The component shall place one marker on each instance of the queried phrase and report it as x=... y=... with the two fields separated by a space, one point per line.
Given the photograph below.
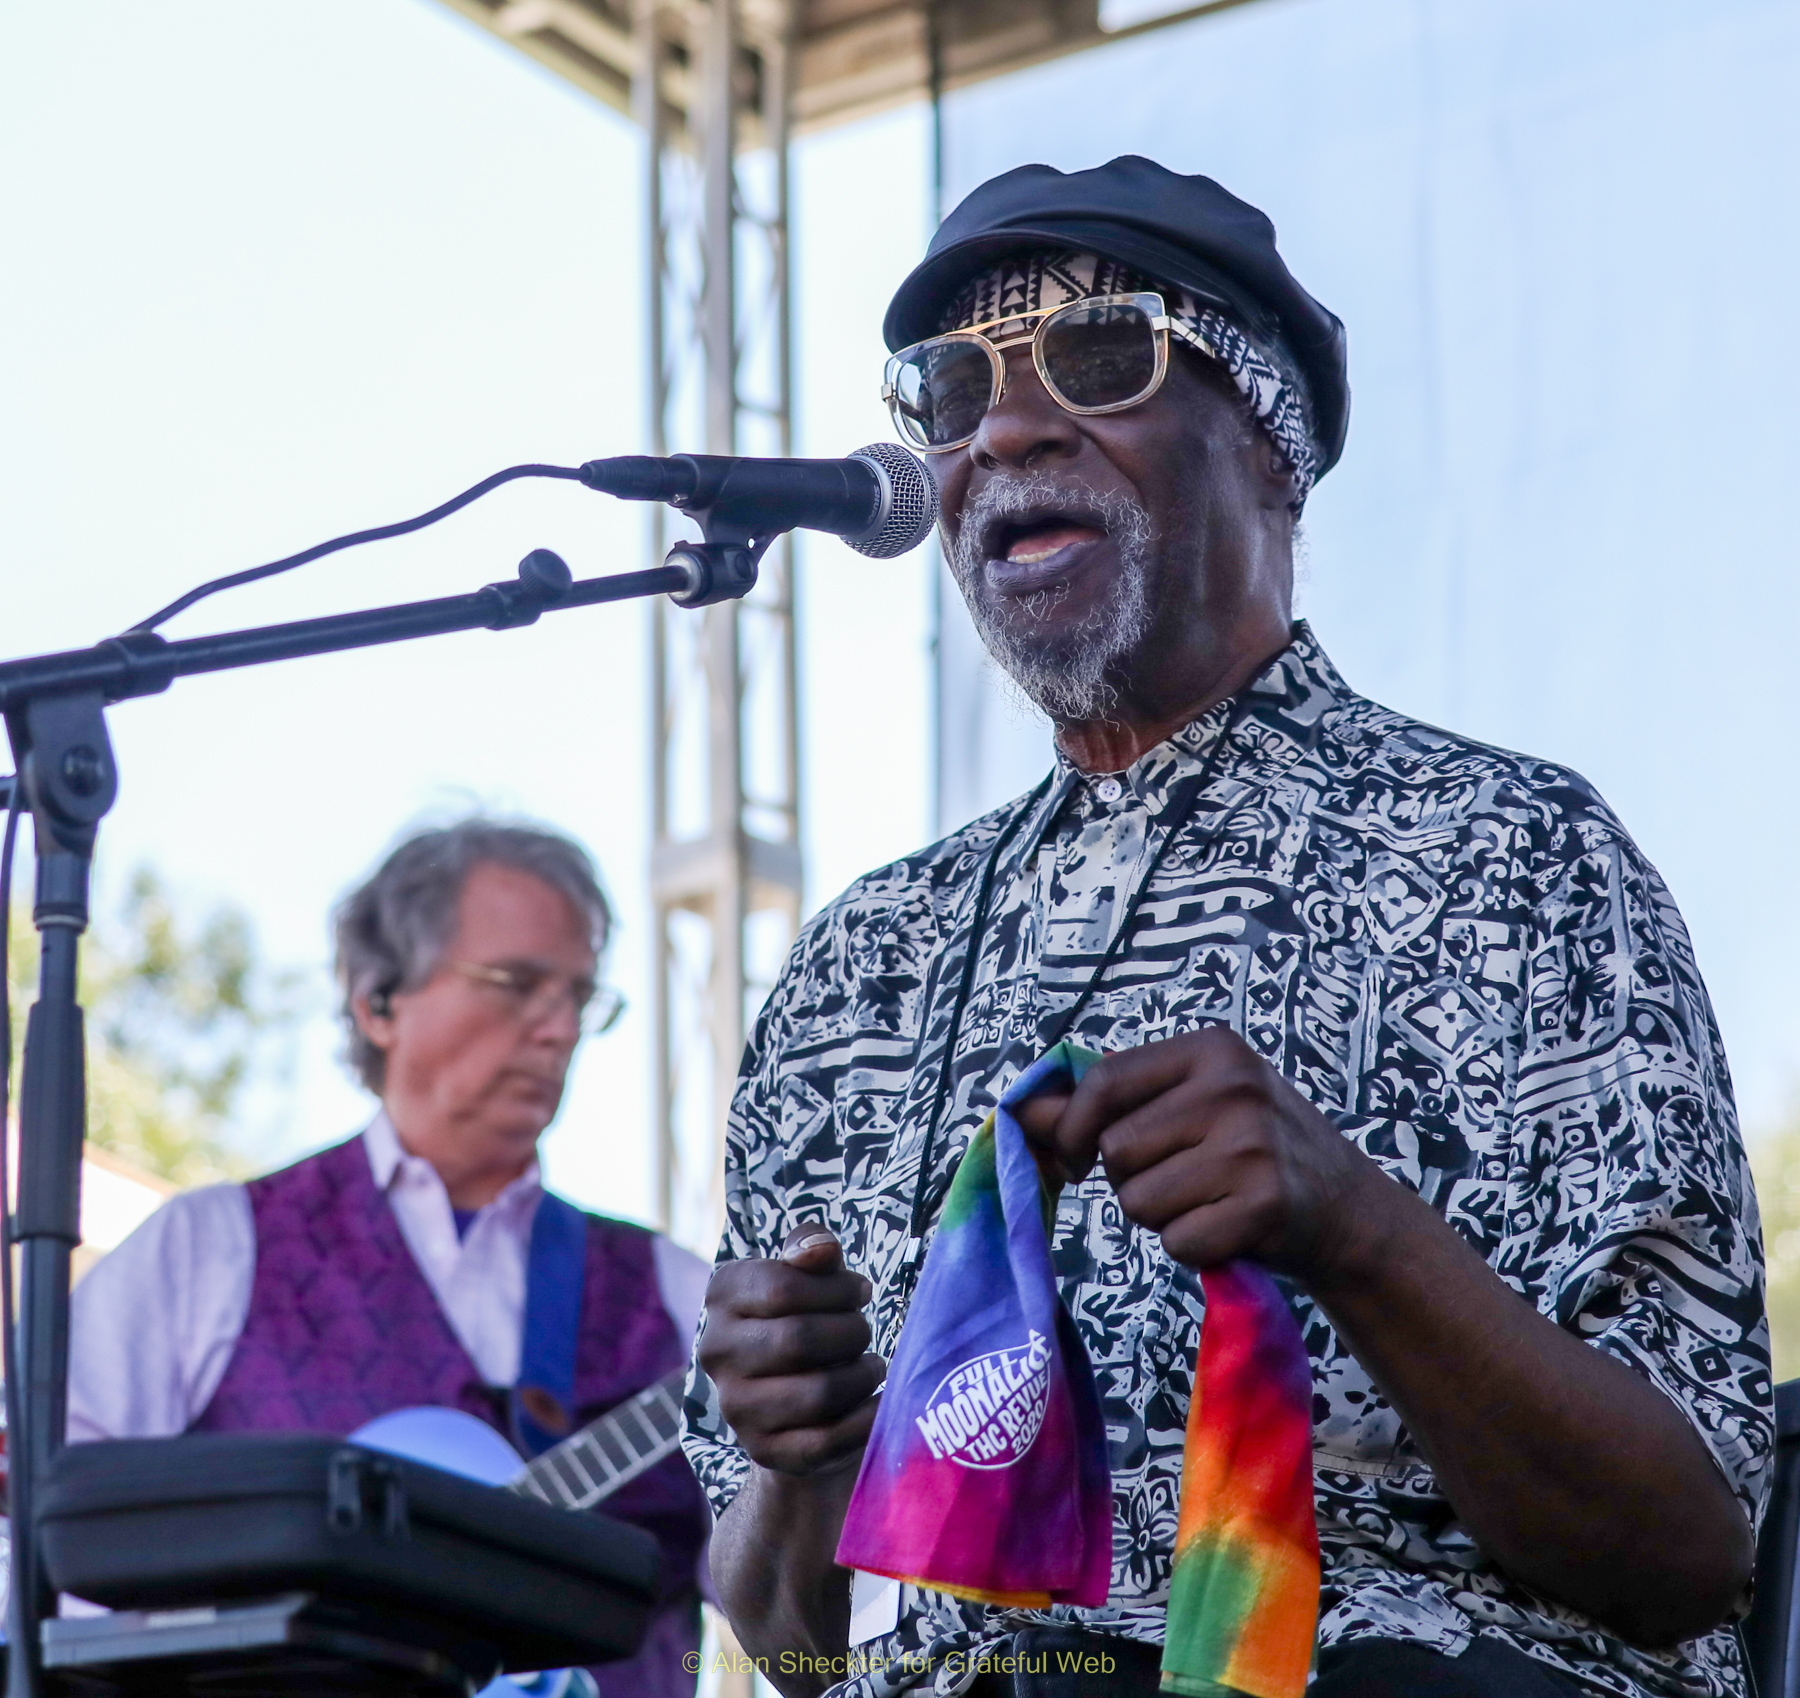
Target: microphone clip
x=723 y=565
x=717 y=571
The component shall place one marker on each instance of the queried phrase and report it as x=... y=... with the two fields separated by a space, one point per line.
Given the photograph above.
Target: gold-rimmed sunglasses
x=1099 y=355
x=532 y=994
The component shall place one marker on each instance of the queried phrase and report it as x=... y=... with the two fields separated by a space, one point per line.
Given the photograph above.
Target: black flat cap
x=1179 y=229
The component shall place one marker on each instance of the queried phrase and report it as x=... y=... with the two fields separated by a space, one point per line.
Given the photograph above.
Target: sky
x=281 y=271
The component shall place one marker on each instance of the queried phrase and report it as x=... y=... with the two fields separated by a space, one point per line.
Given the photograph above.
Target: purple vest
x=342 y=1327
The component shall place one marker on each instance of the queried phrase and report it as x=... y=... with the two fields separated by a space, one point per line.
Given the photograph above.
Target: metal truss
x=712 y=96
x=848 y=57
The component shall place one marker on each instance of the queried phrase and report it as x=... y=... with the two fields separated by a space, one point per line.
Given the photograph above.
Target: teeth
x=1031 y=556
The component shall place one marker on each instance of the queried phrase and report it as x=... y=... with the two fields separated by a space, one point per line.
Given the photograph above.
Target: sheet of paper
x=874 y=1606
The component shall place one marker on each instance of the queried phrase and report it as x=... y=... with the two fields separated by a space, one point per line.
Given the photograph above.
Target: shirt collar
x=1278 y=714
x=388 y=1158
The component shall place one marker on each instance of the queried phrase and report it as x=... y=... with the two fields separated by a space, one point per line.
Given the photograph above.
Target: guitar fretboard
x=597 y=1461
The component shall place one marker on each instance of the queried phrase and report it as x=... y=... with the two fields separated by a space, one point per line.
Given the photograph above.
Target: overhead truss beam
x=850 y=57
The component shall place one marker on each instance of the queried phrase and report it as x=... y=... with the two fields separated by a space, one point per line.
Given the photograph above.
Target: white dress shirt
x=156 y=1321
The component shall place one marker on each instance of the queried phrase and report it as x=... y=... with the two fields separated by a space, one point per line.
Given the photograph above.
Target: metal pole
x=934 y=67
x=52 y=1124
x=725 y=798
x=718 y=127
x=652 y=115
x=778 y=61
x=716 y=123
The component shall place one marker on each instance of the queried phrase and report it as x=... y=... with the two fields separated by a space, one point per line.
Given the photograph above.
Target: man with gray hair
x=423 y=1262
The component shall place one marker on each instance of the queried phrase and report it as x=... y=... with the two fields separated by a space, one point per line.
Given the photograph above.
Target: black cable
x=921 y=1203
x=977 y=925
x=1129 y=921
x=378 y=534
x=7 y=1322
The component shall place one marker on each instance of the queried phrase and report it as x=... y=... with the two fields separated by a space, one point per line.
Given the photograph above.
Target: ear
x=377 y=1028
x=1276 y=473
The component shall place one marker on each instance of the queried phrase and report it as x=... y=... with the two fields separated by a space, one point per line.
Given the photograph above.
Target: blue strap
x=555 y=1271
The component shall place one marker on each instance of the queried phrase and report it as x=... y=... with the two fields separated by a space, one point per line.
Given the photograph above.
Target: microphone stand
x=54 y=706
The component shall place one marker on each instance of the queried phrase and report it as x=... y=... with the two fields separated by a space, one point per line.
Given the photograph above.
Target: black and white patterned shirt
x=1458 y=954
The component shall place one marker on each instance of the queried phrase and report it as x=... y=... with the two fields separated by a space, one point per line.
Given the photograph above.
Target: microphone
x=881 y=500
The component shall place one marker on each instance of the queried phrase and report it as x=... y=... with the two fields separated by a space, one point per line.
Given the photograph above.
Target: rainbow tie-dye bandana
x=986 y=1474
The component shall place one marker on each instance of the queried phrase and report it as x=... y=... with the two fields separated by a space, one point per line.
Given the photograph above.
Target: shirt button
x=1109 y=790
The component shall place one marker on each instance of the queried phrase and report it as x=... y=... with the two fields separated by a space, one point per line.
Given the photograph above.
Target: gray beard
x=1067 y=675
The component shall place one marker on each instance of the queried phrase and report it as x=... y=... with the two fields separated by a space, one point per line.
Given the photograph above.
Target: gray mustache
x=1005 y=498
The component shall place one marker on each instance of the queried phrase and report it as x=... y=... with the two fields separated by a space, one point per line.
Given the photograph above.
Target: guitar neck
x=592 y=1464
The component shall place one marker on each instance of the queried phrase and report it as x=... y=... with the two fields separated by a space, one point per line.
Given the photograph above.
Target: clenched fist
x=788 y=1350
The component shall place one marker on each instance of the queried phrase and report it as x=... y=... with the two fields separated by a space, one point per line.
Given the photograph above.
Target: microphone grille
x=911 y=506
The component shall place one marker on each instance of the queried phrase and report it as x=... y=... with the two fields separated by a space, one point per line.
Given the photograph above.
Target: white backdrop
x=1563 y=240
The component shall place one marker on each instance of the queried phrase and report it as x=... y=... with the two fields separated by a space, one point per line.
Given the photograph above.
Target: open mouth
x=1040 y=537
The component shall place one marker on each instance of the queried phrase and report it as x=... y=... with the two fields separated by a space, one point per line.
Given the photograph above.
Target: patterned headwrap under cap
x=1043 y=281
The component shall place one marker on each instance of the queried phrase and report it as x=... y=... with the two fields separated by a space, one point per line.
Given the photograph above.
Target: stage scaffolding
x=718 y=86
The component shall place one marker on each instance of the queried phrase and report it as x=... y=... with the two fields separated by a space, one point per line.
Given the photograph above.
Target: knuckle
x=1227 y=1056
x=776 y=1342
x=782 y=1339
x=800 y=1449
x=737 y=1345
x=743 y=1287
x=804 y=1452
x=721 y=1342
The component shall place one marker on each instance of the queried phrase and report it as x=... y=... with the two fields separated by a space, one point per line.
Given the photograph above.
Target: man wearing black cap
x=1406 y=1018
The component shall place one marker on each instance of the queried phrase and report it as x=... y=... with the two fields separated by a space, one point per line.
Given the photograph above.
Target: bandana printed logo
x=986 y=1413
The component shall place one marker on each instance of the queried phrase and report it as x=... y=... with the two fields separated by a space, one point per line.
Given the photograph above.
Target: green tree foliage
x=177 y=1016
x=1775 y=1158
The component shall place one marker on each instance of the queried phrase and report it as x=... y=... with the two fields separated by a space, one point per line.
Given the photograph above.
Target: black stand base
x=294 y=1644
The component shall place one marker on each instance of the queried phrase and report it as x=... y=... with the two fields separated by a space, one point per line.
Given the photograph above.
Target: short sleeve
x=1632 y=1219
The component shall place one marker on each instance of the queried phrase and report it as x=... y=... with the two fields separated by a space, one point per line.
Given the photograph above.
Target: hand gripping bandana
x=986 y=1474
x=1043 y=281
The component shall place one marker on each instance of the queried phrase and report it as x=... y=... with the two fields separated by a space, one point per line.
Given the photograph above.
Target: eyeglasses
x=1100 y=355
x=532 y=994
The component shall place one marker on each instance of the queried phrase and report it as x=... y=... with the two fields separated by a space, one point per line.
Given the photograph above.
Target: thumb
x=811 y=1248
x=1039 y=1118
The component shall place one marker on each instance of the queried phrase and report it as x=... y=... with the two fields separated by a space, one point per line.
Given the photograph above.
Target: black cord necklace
x=977 y=925
x=924 y=1203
